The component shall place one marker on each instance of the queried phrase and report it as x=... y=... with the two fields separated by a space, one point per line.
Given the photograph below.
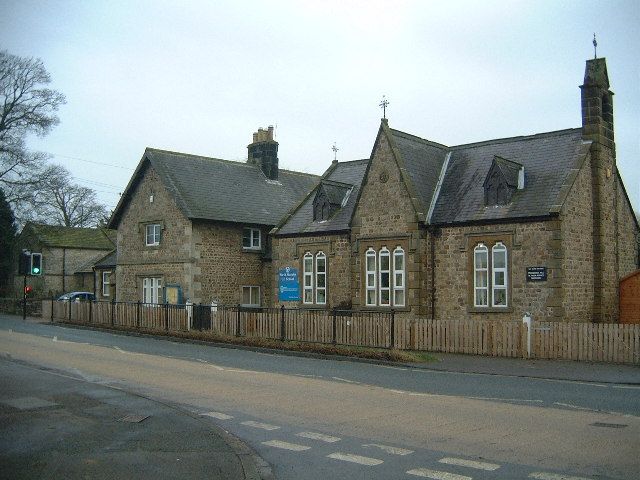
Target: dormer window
x=330 y=197
x=504 y=178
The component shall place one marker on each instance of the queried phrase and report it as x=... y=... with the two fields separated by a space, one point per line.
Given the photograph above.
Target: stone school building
x=490 y=230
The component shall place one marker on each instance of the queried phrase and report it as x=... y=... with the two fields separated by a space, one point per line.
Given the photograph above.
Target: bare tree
x=26 y=107
x=60 y=201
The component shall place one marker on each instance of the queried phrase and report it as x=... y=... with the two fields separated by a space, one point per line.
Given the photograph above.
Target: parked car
x=76 y=297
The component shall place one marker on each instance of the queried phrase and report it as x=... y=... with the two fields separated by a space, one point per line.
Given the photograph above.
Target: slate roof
x=301 y=220
x=336 y=191
x=510 y=170
x=71 y=237
x=548 y=160
x=212 y=189
x=423 y=162
x=108 y=261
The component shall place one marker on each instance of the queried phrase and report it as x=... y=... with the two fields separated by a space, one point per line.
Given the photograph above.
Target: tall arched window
x=321 y=278
x=499 y=278
x=481 y=275
x=307 y=265
x=370 y=259
x=385 y=277
x=398 y=277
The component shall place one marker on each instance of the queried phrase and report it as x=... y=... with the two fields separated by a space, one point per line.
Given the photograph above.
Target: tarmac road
x=315 y=418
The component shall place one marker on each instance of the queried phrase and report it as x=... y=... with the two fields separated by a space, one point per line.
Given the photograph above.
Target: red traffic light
x=28 y=289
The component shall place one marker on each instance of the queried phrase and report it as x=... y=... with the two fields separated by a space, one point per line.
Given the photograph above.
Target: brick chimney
x=263 y=151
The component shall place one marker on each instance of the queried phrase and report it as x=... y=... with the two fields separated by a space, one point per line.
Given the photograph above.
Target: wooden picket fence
x=618 y=343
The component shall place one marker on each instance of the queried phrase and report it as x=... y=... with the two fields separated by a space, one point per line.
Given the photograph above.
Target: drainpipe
x=432 y=260
x=64 y=270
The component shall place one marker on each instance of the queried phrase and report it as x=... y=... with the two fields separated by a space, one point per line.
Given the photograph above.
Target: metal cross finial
x=595 y=47
x=335 y=152
x=384 y=104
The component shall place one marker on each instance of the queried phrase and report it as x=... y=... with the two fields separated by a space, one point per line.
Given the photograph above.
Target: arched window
x=370 y=259
x=385 y=277
x=481 y=275
x=321 y=278
x=307 y=265
x=499 y=272
x=398 y=277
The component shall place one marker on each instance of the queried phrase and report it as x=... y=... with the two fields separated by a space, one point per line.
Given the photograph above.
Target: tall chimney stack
x=263 y=151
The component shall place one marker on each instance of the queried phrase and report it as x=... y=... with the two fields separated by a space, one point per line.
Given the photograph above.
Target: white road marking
x=286 y=445
x=574 y=406
x=218 y=415
x=347 y=457
x=436 y=475
x=630 y=387
x=344 y=380
x=55 y=338
x=461 y=462
x=393 y=368
x=128 y=353
x=507 y=399
x=263 y=426
x=388 y=449
x=318 y=436
x=554 y=476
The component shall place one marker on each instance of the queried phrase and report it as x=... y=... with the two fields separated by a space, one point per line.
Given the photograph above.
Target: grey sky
x=201 y=77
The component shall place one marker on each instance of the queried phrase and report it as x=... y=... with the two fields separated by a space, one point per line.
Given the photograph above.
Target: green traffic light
x=36 y=270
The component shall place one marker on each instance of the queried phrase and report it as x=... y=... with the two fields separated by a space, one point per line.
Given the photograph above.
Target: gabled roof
x=335 y=191
x=343 y=174
x=71 y=237
x=108 y=261
x=548 y=160
x=212 y=189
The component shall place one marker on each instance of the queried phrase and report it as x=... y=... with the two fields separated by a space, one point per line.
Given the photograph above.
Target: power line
x=92 y=161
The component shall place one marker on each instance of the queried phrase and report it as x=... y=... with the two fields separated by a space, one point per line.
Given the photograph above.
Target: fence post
x=138 y=314
x=52 y=304
x=283 y=332
x=90 y=311
x=334 y=327
x=69 y=303
x=113 y=306
x=238 y=322
x=393 y=329
x=166 y=316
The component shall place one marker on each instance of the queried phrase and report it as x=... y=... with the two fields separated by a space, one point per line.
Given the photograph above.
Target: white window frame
x=106 y=283
x=253 y=290
x=152 y=290
x=384 y=253
x=371 y=277
x=482 y=249
x=499 y=248
x=399 y=273
x=255 y=238
x=307 y=278
x=321 y=256
x=154 y=235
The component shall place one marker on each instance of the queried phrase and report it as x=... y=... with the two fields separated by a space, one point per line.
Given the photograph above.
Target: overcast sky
x=201 y=77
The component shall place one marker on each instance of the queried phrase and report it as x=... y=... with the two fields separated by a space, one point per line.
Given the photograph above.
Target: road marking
x=55 y=338
x=393 y=368
x=625 y=387
x=436 y=475
x=461 y=462
x=218 y=415
x=344 y=380
x=263 y=426
x=568 y=405
x=507 y=399
x=388 y=449
x=286 y=445
x=554 y=476
x=318 y=436
x=347 y=457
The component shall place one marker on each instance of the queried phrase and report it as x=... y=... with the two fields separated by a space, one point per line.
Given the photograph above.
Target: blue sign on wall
x=288 y=285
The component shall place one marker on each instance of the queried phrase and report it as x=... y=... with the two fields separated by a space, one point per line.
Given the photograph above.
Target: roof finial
x=384 y=104
x=595 y=47
x=335 y=152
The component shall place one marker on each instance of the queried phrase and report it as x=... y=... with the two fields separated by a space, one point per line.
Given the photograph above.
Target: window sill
x=371 y=308
x=252 y=249
x=490 y=309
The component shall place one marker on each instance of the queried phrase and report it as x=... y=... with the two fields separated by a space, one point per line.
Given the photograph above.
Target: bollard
x=528 y=322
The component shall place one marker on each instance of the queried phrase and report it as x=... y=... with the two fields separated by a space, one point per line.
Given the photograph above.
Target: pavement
x=53 y=425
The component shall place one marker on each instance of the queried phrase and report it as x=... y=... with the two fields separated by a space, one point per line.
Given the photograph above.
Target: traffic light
x=24 y=263
x=36 y=264
x=28 y=289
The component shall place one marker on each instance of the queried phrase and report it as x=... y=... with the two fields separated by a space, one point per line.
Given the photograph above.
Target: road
x=317 y=419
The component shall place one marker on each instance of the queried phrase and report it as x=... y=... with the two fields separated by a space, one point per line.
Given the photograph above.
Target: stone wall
x=528 y=244
x=577 y=248
x=289 y=251
x=628 y=236
x=223 y=267
x=172 y=259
